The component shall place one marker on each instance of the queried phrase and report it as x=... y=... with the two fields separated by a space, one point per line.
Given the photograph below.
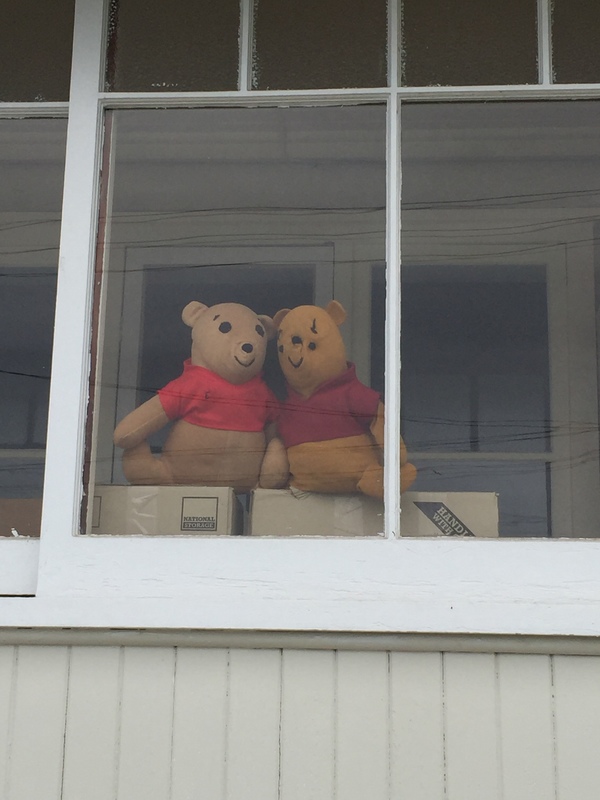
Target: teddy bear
x=331 y=424
x=220 y=407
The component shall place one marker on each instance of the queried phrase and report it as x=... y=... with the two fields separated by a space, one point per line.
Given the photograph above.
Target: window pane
x=268 y=208
x=179 y=46
x=316 y=45
x=31 y=176
x=576 y=41
x=468 y=43
x=35 y=49
x=500 y=287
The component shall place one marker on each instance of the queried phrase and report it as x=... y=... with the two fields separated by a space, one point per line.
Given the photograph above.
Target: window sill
x=449 y=586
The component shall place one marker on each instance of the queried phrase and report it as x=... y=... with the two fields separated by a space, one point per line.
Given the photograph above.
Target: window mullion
x=544 y=42
x=246 y=45
x=392 y=353
x=71 y=359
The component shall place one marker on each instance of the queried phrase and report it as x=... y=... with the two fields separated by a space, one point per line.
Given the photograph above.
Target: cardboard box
x=166 y=511
x=463 y=514
x=20 y=516
x=288 y=512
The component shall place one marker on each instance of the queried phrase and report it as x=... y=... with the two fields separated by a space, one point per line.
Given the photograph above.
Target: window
x=273 y=189
x=31 y=174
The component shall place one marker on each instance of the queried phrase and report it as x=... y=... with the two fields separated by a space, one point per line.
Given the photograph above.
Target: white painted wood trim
x=71 y=352
x=544 y=20
x=23 y=110
x=529 y=587
x=392 y=315
x=18 y=566
x=246 y=45
x=295 y=641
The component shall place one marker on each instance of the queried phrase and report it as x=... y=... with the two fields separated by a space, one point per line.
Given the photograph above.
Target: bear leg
x=141 y=468
x=371 y=482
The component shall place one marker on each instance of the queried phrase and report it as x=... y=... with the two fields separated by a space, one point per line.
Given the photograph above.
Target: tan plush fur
x=196 y=455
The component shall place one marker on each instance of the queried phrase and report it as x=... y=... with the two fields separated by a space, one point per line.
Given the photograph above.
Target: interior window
x=268 y=208
x=31 y=176
x=499 y=347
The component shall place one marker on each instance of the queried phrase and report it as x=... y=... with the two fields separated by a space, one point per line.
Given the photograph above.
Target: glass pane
x=316 y=45
x=249 y=212
x=36 y=38
x=500 y=297
x=523 y=489
x=179 y=46
x=468 y=43
x=576 y=41
x=31 y=176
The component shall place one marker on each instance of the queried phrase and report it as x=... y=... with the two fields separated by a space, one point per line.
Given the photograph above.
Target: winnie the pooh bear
x=220 y=407
x=331 y=424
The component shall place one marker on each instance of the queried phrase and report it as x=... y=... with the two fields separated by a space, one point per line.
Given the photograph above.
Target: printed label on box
x=441 y=516
x=199 y=513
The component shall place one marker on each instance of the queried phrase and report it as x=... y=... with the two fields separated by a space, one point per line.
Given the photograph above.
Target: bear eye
x=225 y=327
x=260 y=330
x=312 y=346
x=280 y=348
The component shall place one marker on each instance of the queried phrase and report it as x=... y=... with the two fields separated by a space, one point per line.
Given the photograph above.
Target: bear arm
x=275 y=467
x=141 y=423
x=377 y=425
x=377 y=429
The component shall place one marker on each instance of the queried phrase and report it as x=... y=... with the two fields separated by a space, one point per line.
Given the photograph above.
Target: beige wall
x=166 y=723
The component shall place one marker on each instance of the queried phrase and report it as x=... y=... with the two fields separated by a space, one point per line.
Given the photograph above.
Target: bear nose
x=247 y=348
x=296 y=340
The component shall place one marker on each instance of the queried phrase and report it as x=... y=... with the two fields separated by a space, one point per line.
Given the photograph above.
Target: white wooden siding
x=117 y=723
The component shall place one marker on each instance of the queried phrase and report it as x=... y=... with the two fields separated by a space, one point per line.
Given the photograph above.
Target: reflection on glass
x=500 y=288
x=31 y=176
x=576 y=41
x=468 y=43
x=316 y=45
x=179 y=46
x=35 y=49
x=270 y=209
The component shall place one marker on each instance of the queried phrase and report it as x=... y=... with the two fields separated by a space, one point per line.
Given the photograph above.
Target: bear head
x=310 y=346
x=228 y=339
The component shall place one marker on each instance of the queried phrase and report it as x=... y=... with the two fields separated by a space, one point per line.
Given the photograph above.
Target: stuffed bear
x=331 y=424
x=220 y=407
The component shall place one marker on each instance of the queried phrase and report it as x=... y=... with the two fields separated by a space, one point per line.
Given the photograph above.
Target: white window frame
x=546 y=587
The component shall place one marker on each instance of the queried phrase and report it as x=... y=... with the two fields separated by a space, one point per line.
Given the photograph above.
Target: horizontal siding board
x=471 y=727
x=362 y=751
x=252 y=765
x=200 y=724
x=307 y=725
x=577 y=720
x=417 y=744
x=526 y=727
x=144 y=759
x=92 y=724
x=7 y=677
x=36 y=751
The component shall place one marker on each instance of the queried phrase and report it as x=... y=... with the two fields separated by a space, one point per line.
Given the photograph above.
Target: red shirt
x=339 y=408
x=203 y=398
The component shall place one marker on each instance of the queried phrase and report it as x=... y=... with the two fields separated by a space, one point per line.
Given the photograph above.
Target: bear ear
x=269 y=325
x=280 y=315
x=192 y=311
x=336 y=311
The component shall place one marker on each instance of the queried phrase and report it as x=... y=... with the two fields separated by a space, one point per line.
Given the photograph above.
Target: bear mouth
x=296 y=365
x=242 y=364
